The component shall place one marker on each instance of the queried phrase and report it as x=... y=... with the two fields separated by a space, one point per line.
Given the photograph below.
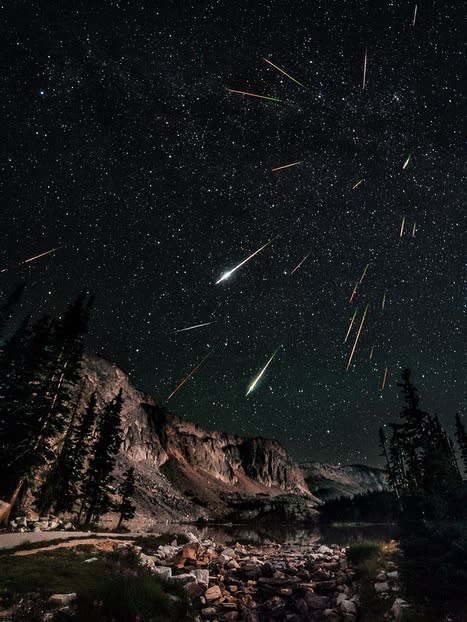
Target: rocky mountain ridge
x=186 y=473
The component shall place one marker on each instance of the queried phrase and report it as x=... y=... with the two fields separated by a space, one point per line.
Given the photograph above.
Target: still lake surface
x=343 y=534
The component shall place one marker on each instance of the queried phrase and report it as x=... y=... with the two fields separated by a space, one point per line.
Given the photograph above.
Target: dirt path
x=12 y=540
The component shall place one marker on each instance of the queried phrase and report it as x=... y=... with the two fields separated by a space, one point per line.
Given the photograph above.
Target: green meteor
x=255 y=381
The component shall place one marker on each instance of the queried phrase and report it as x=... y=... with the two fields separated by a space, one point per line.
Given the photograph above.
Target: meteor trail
x=254 y=382
x=402 y=227
x=414 y=16
x=279 y=168
x=371 y=352
x=354 y=292
x=356 y=339
x=300 y=264
x=359 y=282
x=52 y=250
x=365 y=61
x=414 y=228
x=404 y=166
x=363 y=275
x=192 y=372
x=357 y=184
x=284 y=73
x=227 y=274
x=181 y=330
x=383 y=384
x=273 y=99
x=41 y=255
x=383 y=301
x=351 y=324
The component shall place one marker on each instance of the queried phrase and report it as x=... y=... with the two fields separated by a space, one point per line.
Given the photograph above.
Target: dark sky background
x=124 y=148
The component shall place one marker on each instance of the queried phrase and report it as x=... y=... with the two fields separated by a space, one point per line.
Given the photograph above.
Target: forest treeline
x=55 y=446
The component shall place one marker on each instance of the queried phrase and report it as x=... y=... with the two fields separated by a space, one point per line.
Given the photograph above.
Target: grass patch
x=132 y=597
x=113 y=588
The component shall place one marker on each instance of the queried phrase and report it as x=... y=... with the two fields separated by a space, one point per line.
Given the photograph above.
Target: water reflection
x=259 y=534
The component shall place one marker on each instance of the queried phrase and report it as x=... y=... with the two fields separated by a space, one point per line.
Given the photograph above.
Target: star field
x=125 y=149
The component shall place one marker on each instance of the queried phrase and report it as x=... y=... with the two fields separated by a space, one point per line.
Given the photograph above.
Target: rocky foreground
x=274 y=582
x=300 y=582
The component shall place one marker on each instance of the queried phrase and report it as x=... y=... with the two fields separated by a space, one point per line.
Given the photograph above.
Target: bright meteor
x=358 y=184
x=300 y=264
x=284 y=73
x=192 y=372
x=357 y=338
x=280 y=168
x=181 y=330
x=404 y=166
x=273 y=99
x=255 y=381
x=229 y=273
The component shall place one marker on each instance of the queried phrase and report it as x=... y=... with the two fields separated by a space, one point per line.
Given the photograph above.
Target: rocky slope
x=329 y=481
x=184 y=472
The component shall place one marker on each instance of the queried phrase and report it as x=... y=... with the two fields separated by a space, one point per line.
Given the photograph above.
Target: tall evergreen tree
x=126 y=490
x=97 y=498
x=38 y=392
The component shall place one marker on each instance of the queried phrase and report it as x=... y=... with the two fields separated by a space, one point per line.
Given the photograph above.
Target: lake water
x=258 y=534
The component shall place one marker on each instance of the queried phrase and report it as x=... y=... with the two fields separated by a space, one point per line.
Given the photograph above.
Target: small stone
x=201 y=576
x=347 y=606
x=382 y=587
x=213 y=593
x=229 y=553
x=62 y=600
x=392 y=575
x=164 y=572
x=209 y=612
x=90 y=560
x=325 y=550
x=398 y=608
x=183 y=579
x=381 y=577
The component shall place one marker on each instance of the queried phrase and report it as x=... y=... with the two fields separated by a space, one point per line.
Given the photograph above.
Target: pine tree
x=97 y=499
x=461 y=437
x=127 y=492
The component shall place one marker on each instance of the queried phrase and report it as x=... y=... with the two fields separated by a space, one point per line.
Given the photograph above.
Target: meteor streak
x=273 y=99
x=351 y=324
x=229 y=273
x=192 y=372
x=357 y=184
x=52 y=250
x=363 y=275
x=300 y=264
x=284 y=73
x=365 y=61
x=181 y=330
x=371 y=352
x=401 y=233
x=356 y=339
x=354 y=292
x=414 y=228
x=404 y=166
x=383 y=384
x=279 y=168
x=359 y=282
x=414 y=16
x=254 y=382
x=383 y=301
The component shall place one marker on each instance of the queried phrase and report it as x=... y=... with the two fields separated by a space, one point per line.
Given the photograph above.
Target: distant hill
x=329 y=481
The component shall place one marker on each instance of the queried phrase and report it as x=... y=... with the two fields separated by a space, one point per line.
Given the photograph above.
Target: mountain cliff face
x=329 y=481
x=184 y=472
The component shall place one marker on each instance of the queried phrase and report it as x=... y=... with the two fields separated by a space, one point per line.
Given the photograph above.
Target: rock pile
x=272 y=583
x=22 y=524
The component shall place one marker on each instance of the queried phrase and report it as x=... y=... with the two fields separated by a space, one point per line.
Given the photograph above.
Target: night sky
x=125 y=151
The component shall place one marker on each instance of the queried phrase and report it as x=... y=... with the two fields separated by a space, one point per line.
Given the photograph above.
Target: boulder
x=62 y=600
x=213 y=593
